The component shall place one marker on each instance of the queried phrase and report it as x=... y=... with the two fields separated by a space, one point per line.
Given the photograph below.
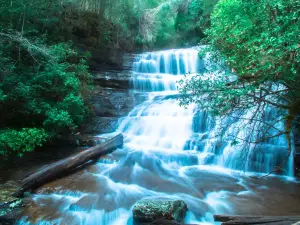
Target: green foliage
x=44 y=81
x=259 y=39
x=193 y=19
x=159 y=23
x=127 y=23
x=256 y=43
x=87 y=29
x=165 y=27
x=21 y=141
x=188 y=19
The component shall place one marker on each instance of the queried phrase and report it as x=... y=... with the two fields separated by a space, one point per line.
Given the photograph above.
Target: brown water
x=172 y=152
x=104 y=193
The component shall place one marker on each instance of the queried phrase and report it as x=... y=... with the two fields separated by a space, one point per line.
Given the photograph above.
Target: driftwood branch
x=65 y=166
x=253 y=220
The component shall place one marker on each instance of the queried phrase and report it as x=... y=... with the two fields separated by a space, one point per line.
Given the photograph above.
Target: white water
x=161 y=124
x=159 y=71
x=170 y=152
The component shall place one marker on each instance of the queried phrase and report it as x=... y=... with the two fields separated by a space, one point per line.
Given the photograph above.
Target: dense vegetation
x=154 y=23
x=258 y=43
x=43 y=79
x=44 y=65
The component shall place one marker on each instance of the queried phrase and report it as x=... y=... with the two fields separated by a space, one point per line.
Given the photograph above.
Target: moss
x=9 y=206
x=6 y=192
x=12 y=207
x=149 y=210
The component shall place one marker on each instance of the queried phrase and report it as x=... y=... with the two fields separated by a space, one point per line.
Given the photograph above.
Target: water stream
x=171 y=152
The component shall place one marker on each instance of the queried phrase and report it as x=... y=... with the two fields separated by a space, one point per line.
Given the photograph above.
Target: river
x=170 y=152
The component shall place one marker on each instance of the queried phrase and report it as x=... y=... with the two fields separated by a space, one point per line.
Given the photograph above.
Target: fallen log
x=65 y=166
x=245 y=220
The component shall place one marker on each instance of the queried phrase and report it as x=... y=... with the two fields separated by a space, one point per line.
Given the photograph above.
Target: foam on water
x=169 y=152
x=160 y=124
x=159 y=71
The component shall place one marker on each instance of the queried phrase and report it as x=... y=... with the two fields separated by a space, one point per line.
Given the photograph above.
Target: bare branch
x=31 y=47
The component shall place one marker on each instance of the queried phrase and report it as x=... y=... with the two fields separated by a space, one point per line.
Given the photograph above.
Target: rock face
x=107 y=107
x=296 y=134
x=113 y=79
x=112 y=97
x=151 y=210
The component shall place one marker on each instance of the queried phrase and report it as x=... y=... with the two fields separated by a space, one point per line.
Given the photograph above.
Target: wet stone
x=10 y=207
x=150 y=210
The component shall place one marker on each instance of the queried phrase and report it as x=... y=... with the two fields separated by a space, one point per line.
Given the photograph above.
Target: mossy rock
x=150 y=210
x=10 y=207
x=6 y=192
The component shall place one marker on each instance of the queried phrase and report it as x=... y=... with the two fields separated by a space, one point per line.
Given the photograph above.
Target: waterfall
x=159 y=71
x=169 y=152
x=160 y=124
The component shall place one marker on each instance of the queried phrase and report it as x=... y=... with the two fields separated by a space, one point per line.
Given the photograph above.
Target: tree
x=153 y=23
x=193 y=19
x=44 y=81
x=256 y=46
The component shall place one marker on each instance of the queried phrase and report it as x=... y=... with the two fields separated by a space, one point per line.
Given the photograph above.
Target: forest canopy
x=155 y=23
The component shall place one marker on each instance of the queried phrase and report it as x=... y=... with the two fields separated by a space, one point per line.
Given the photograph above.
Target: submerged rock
x=86 y=203
x=150 y=210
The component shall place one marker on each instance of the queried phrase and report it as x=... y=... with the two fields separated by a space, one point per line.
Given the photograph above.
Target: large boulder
x=151 y=210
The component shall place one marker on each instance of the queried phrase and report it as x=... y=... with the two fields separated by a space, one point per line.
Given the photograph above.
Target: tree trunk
x=65 y=166
x=245 y=220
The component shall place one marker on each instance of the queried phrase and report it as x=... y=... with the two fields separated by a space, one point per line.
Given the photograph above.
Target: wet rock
x=107 y=107
x=111 y=102
x=296 y=134
x=10 y=207
x=100 y=125
x=113 y=79
x=151 y=210
x=10 y=212
x=6 y=192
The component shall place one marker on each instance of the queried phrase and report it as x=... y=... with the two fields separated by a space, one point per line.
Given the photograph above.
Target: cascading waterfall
x=161 y=124
x=169 y=152
x=159 y=71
